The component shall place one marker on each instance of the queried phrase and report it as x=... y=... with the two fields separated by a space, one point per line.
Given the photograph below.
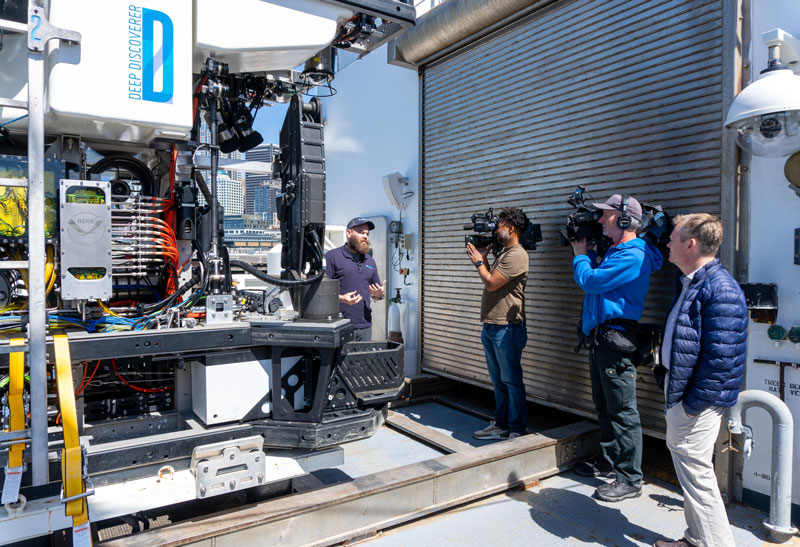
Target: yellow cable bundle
x=106 y=309
x=50 y=270
x=50 y=275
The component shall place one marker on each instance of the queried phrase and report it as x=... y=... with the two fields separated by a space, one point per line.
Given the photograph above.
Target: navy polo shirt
x=355 y=272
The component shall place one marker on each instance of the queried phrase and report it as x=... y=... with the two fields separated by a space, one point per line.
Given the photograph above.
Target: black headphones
x=624 y=220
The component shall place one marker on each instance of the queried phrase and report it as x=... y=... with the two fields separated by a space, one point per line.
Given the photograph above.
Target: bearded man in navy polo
x=357 y=273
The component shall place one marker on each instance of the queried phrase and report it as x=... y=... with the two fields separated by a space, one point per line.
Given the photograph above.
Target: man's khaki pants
x=691 y=442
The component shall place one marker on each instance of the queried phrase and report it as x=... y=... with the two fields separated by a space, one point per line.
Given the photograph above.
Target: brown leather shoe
x=677 y=543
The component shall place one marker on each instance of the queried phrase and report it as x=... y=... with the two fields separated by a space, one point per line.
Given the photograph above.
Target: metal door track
x=375 y=502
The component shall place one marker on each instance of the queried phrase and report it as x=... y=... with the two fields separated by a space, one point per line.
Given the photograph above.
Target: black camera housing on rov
x=485 y=226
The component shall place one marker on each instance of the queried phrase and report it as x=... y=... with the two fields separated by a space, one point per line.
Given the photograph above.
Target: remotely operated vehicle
x=133 y=371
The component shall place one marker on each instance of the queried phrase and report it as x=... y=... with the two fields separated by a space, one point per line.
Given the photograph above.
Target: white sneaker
x=491 y=431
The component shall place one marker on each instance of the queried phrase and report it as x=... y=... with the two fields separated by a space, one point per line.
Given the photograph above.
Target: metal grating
x=621 y=96
x=372 y=367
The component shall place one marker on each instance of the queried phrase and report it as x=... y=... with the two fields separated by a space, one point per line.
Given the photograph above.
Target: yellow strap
x=71 y=469
x=16 y=384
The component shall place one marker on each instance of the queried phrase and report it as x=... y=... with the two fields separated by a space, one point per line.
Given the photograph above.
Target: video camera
x=485 y=225
x=655 y=226
x=582 y=223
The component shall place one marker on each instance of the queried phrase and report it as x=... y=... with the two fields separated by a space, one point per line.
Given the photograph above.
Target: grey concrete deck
x=561 y=511
x=558 y=511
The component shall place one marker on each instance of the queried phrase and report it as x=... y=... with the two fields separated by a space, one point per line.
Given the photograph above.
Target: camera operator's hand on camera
x=476 y=254
x=579 y=247
x=377 y=291
x=350 y=298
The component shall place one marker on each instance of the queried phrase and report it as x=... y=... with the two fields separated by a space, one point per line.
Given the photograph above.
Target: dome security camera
x=765 y=116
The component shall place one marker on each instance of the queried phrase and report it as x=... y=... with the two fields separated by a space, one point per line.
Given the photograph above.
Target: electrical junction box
x=395 y=232
x=85 y=230
x=236 y=386
x=406 y=241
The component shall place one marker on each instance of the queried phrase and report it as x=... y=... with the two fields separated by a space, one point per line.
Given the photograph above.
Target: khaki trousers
x=691 y=442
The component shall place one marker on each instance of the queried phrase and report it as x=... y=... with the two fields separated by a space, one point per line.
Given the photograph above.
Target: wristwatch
x=479 y=263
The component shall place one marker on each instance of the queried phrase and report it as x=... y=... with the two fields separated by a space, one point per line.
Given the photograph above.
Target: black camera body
x=582 y=224
x=655 y=226
x=485 y=226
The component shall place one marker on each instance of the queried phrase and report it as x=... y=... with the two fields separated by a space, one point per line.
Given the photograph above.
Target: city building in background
x=266 y=153
x=248 y=201
x=249 y=237
x=265 y=202
x=230 y=194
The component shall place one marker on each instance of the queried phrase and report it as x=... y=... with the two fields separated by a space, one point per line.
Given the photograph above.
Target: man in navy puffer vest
x=704 y=352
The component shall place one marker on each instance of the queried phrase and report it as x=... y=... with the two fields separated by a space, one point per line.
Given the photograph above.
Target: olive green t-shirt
x=507 y=304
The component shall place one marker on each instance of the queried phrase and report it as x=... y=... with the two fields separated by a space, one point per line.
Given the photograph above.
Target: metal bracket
x=228 y=466
x=219 y=309
x=66 y=148
x=40 y=31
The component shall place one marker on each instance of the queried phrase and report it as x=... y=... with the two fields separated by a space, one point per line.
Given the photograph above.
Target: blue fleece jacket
x=616 y=288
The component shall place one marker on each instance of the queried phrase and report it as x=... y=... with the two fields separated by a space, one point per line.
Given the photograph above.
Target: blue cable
x=14 y=120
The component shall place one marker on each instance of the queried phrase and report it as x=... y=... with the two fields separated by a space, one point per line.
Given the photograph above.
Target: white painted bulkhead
x=371 y=131
x=774 y=215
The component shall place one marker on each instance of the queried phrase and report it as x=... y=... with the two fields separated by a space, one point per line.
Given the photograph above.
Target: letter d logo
x=160 y=59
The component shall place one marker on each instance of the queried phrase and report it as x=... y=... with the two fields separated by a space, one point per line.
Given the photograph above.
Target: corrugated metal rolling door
x=620 y=95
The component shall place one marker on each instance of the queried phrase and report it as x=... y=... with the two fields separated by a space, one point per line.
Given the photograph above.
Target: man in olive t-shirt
x=504 y=331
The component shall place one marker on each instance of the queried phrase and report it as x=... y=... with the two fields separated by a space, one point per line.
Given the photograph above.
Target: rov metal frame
x=39 y=32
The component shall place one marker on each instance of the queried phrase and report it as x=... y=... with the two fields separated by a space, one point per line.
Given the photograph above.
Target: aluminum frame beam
x=374 y=502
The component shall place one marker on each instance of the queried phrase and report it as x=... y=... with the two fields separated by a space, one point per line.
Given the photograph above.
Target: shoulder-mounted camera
x=655 y=226
x=485 y=227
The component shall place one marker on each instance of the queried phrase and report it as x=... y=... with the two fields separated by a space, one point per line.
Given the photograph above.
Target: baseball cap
x=358 y=221
x=614 y=203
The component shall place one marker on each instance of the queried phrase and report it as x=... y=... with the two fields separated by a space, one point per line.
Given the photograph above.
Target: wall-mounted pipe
x=779 y=524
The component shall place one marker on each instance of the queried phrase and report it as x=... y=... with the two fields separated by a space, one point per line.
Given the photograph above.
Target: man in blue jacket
x=615 y=292
x=704 y=353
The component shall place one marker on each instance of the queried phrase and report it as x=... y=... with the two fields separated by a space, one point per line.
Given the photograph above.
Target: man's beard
x=357 y=245
x=503 y=237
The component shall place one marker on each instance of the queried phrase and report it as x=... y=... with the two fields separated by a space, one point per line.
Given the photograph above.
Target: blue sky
x=269 y=120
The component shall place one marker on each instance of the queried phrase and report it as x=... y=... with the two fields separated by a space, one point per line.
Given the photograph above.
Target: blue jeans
x=503 y=347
